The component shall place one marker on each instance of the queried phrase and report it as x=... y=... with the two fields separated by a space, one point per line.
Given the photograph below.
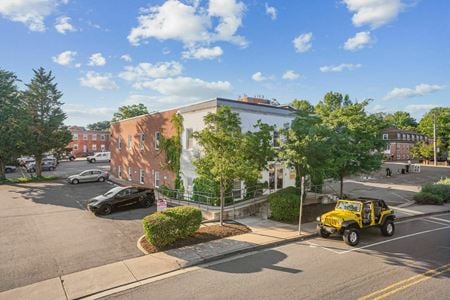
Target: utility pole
x=434 y=139
x=302 y=191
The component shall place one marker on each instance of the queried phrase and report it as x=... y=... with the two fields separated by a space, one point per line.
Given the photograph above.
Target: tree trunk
x=2 y=170
x=222 y=203
x=38 y=166
x=341 y=193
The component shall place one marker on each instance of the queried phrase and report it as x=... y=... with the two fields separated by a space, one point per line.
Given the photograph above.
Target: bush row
x=285 y=205
x=164 y=228
x=434 y=193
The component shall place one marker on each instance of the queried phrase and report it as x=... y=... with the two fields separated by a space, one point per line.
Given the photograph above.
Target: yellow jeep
x=350 y=216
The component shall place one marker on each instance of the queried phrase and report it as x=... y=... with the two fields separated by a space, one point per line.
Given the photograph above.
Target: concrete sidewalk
x=131 y=272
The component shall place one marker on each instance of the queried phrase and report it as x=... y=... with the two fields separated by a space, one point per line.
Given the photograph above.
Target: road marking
x=313 y=245
x=440 y=223
x=394 y=239
x=439 y=219
x=403 y=284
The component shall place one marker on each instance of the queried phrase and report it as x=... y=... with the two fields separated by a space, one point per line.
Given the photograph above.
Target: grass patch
x=28 y=179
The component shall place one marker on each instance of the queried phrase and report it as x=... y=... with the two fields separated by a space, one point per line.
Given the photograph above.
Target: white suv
x=99 y=157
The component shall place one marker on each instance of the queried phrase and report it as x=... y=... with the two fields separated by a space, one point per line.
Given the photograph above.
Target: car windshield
x=113 y=191
x=351 y=206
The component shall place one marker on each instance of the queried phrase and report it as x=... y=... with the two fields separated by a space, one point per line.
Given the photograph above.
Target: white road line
x=313 y=245
x=440 y=220
x=394 y=239
x=440 y=223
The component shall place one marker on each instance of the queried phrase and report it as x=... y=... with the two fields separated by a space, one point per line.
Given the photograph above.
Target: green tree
x=303 y=106
x=356 y=144
x=129 y=111
x=225 y=156
x=100 y=126
x=442 y=126
x=305 y=147
x=401 y=120
x=422 y=150
x=44 y=117
x=10 y=121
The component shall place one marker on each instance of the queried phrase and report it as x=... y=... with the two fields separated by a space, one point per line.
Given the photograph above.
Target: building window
x=119 y=172
x=388 y=147
x=94 y=147
x=157 y=180
x=102 y=137
x=157 y=140
x=141 y=141
x=102 y=146
x=399 y=136
x=94 y=136
x=189 y=138
x=409 y=137
x=75 y=147
x=130 y=139
x=75 y=137
x=413 y=137
x=119 y=142
x=141 y=176
x=85 y=137
x=129 y=173
x=276 y=139
x=385 y=136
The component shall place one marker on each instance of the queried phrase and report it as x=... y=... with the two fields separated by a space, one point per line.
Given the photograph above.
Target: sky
x=105 y=54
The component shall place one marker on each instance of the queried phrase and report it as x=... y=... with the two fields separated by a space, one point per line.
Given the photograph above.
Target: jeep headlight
x=318 y=219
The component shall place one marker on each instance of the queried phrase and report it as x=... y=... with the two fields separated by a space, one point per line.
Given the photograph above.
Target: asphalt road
x=46 y=231
x=413 y=264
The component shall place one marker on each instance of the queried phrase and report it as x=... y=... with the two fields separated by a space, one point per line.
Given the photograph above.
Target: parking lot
x=47 y=231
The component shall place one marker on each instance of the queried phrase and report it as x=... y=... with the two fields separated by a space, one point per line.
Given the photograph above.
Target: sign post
x=302 y=191
x=161 y=205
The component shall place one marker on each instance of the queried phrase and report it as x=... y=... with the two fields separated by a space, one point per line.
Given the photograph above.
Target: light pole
x=434 y=139
x=302 y=191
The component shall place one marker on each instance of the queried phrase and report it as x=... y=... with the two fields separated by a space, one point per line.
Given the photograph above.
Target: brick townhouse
x=136 y=153
x=400 y=143
x=86 y=142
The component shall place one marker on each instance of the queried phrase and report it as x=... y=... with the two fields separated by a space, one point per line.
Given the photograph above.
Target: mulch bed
x=204 y=234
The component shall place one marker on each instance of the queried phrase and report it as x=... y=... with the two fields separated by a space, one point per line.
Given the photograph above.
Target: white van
x=99 y=157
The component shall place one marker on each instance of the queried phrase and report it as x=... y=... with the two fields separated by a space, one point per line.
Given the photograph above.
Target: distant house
x=85 y=142
x=400 y=143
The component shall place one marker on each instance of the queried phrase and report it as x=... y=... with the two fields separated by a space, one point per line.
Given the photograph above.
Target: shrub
x=164 y=228
x=427 y=198
x=438 y=189
x=284 y=204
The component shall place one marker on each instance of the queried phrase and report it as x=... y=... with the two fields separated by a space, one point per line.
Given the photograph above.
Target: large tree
x=129 y=111
x=442 y=116
x=401 y=120
x=356 y=145
x=11 y=126
x=44 y=117
x=303 y=106
x=100 y=126
x=225 y=155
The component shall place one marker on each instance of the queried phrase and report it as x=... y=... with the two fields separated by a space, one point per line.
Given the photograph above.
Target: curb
x=139 y=245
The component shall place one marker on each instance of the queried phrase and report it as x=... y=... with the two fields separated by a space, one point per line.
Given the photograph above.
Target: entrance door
x=279 y=178
x=85 y=148
x=271 y=176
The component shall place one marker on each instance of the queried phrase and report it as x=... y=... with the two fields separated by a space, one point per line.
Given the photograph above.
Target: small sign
x=161 y=205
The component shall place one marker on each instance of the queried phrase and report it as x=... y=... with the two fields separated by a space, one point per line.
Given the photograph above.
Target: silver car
x=88 y=176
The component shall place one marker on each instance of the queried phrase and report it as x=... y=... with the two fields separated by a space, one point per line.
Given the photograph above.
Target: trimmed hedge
x=440 y=189
x=285 y=204
x=427 y=198
x=164 y=228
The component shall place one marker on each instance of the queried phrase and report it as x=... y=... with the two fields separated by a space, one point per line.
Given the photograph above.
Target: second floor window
x=129 y=141
x=189 y=138
x=102 y=137
x=157 y=140
x=119 y=142
x=75 y=136
x=385 y=136
x=141 y=141
x=85 y=137
x=94 y=137
x=276 y=139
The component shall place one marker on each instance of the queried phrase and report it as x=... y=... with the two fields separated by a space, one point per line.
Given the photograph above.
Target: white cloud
x=63 y=25
x=138 y=98
x=258 y=76
x=79 y=114
x=303 y=42
x=186 y=87
x=145 y=71
x=419 y=108
x=98 y=81
x=359 y=41
x=32 y=13
x=375 y=13
x=271 y=11
x=290 y=75
x=203 y=53
x=126 y=57
x=65 y=58
x=190 y=24
x=419 y=90
x=339 y=68
x=97 y=59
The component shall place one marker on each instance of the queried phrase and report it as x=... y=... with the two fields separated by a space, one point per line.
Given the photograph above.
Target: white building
x=250 y=111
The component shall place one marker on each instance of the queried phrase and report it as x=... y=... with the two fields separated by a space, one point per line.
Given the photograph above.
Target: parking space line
x=311 y=244
x=440 y=223
x=394 y=239
x=439 y=219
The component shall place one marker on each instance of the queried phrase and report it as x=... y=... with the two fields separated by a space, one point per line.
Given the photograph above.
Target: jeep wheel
x=388 y=228
x=323 y=233
x=351 y=236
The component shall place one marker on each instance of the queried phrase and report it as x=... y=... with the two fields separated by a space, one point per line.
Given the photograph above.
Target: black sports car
x=121 y=196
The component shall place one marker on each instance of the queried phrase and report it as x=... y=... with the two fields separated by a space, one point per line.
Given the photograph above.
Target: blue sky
x=105 y=53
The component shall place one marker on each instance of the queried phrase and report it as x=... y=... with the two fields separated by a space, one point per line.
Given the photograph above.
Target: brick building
x=136 y=153
x=400 y=143
x=85 y=142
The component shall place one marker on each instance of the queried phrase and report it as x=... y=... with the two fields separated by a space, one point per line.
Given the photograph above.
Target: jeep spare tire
x=351 y=236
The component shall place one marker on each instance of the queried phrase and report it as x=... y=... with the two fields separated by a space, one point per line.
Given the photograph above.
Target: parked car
x=88 y=176
x=23 y=160
x=99 y=157
x=121 y=196
x=47 y=164
x=10 y=169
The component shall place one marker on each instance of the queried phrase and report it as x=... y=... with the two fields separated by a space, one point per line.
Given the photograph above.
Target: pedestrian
x=408 y=166
x=388 y=172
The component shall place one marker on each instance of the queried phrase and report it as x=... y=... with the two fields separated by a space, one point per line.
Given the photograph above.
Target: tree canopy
x=303 y=106
x=442 y=126
x=100 y=126
x=129 y=111
x=400 y=120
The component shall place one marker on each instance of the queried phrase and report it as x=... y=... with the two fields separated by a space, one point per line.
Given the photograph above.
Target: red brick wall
x=149 y=159
x=83 y=147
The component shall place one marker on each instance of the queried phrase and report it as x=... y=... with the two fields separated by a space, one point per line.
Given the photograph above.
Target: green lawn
x=28 y=179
